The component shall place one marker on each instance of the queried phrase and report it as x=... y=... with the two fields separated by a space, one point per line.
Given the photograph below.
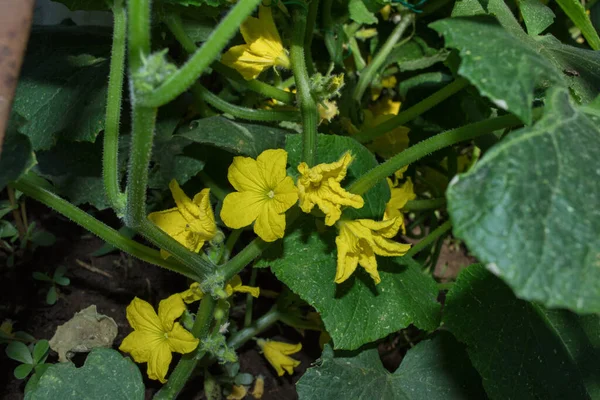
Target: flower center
x=271 y=194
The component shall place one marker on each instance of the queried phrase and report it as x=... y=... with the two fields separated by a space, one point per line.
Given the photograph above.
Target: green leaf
x=414 y=55
x=43 y=238
x=41 y=276
x=505 y=69
x=7 y=229
x=330 y=148
x=22 y=371
x=360 y=13
x=357 y=311
x=19 y=351
x=62 y=89
x=52 y=295
x=105 y=375
x=85 y=5
x=236 y=137
x=529 y=208
x=16 y=157
x=576 y=12
x=40 y=350
x=174 y=159
x=537 y=16
x=199 y=29
x=436 y=368
x=520 y=349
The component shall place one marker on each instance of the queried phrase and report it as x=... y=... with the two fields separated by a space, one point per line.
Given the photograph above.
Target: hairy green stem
x=420 y=205
x=243 y=258
x=311 y=21
x=308 y=106
x=175 y=25
x=413 y=112
x=139 y=32
x=182 y=372
x=367 y=74
x=429 y=239
x=428 y=146
x=181 y=80
x=28 y=186
x=242 y=112
x=260 y=325
x=110 y=153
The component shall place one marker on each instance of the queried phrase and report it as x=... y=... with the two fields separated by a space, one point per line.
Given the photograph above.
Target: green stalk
x=420 y=205
x=313 y=10
x=139 y=32
x=28 y=186
x=182 y=372
x=429 y=239
x=242 y=112
x=180 y=81
x=330 y=40
x=412 y=112
x=243 y=258
x=175 y=25
x=259 y=326
x=367 y=74
x=421 y=149
x=308 y=107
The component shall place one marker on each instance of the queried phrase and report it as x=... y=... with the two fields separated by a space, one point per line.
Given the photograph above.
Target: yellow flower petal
x=181 y=340
x=358 y=241
x=204 y=224
x=246 y=63
x=264 y=194
x=320 y=185
x=277 y=353
x=142 y=317
x=185 y=205
x=235 y=285
x=194 y=293
x=141 y=344
x=238 y=392
x=399 y=197
x=259 y=387
x=158 y=364
x=169 y=310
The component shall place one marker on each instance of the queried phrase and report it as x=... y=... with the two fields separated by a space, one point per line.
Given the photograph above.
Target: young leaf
x=505 y=69
x=237 y=137
x=105 y=374
x=52 y=295
x=436 y=368
x=22 y=371
x=537 y=16
x=40 y=350
x=357 y=311
x=360 y=13
x=528 y=208
x=520 y=349
x=39 y=276
x=43 y=238
x=7 y=229
x=19 y=351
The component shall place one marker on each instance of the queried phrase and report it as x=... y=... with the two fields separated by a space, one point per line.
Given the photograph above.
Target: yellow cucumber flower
x=277 y=354
x=320 y=185
x=327 y=111
x=235 y=285
x=191 y=223
x=264 y=194
x=155 y=337
x=360 y=240
x=194 y=293
x=392 y=142
x=388 y=82
x=400 y=196
x=263 y=48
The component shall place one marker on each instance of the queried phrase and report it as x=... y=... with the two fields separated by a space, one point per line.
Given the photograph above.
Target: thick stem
x=106 y=233
x=188 y=362
x=110 y=154
x=175 y=25
x=180 y=81
x=412 y=112
x=242 y=112
x=308 y=107
x=139 y=32
x=260 y=325
x=429 y=239
x=428 y=204
x=243 y=258
x=367 y=75
x=421 y=149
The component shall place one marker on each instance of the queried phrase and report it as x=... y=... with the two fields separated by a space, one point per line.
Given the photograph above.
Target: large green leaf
x=106 y=375
x=176 y=158
x=436 y=368
x=236 y=137
x=357 y=311
x=529 y=208
x=505 y=69
x=62 y=89
x=16 y=157
x=537 y=16
x=521 y=350
x=330 y=148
